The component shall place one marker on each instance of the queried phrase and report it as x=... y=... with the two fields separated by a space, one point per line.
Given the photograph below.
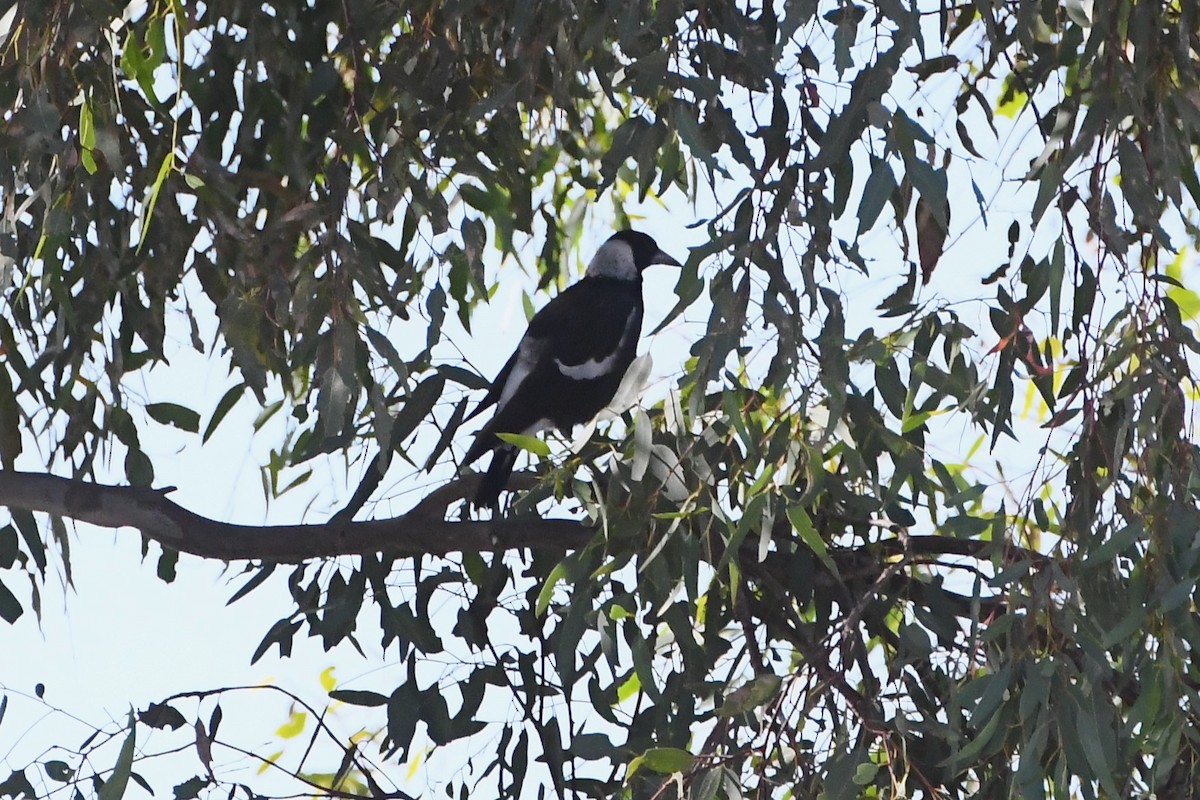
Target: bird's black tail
x=494 y=480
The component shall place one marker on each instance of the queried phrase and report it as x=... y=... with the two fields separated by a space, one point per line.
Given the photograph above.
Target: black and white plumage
x=572 y=358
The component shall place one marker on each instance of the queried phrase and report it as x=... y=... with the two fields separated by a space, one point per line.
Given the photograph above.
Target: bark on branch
x=422 y=531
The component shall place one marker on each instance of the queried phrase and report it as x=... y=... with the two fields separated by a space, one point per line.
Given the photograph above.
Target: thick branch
x=422 y=531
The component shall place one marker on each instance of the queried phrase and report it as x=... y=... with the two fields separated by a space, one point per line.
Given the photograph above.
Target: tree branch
x=422 y=531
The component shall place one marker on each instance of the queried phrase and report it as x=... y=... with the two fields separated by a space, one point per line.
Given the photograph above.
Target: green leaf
x=530 y=444
x=977 y=746
x=848 y=125
x=803 y=525
x=685 y=117
x=1100 y=556
x=913 y=421
x=174 y=414
x=866 y=772
x=32 y=535
x=10 y=606
x=1049 y=190
x=156 y=40
x=10 y=422
x=931 y=185
x=162 y=716
x=114 y=787
x=168 y=561
x=706 y=788
x=16 y=785
x=191 y=788
x=965 y=138
x=227 y=401
x=624 y=139
x=844 y=35
x=9 y=546
x=875 y=194
x=557 y=574
x=592 y=746
x=465 y=377
x=87 y=137
x=417 y=407
x=152 y=197
x=138 y=468
x=1090 y=729
x=750 y=696
x=479 y=198
x=356 y=697
x=666 y=760
x=132 y=60
x=58 y=771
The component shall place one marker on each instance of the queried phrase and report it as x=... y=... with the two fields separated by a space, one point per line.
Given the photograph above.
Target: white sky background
x=119 y=637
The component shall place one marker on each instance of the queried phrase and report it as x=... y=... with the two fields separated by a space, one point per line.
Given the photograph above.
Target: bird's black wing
x=493 y=392
x=575 y=335
x=547 y=324
x=545 y=329
x=555 y=332
x=587 y=321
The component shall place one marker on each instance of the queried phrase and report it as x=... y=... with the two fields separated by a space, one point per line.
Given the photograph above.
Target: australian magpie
x=571 y=360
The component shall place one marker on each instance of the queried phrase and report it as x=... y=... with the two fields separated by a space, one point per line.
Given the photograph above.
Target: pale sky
x=120 y=637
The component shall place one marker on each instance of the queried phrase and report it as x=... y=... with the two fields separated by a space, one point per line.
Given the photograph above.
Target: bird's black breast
x=588 y=320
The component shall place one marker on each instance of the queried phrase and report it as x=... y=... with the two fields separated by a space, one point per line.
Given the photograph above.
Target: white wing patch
x=588 y=369
x=528 y=354
x=598 y=367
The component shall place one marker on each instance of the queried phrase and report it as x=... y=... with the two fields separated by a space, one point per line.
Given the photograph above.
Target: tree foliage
x=838 y=558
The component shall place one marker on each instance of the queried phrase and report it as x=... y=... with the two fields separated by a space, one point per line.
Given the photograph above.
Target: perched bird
x=571 y=360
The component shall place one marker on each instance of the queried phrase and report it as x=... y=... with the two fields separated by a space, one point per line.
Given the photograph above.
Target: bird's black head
x=626 y=254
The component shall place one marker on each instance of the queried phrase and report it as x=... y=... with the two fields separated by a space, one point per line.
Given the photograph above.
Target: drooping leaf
x=530 y=444
x=114 y=787
x=174 y=414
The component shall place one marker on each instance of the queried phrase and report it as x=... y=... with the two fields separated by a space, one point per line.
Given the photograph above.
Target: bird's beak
x=662 y=258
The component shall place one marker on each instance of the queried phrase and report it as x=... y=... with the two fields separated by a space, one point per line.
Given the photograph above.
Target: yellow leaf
x=268 y=761
x=294 y=726
x=629 y=688
x=415 y=764
x=327 y=679
x=1015 y=102
x=619 y=612
x=1187 y=300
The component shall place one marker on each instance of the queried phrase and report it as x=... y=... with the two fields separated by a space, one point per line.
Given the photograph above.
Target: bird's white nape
x=614 y=259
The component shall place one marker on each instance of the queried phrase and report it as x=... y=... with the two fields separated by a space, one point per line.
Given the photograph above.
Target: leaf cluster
x=804 y=582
